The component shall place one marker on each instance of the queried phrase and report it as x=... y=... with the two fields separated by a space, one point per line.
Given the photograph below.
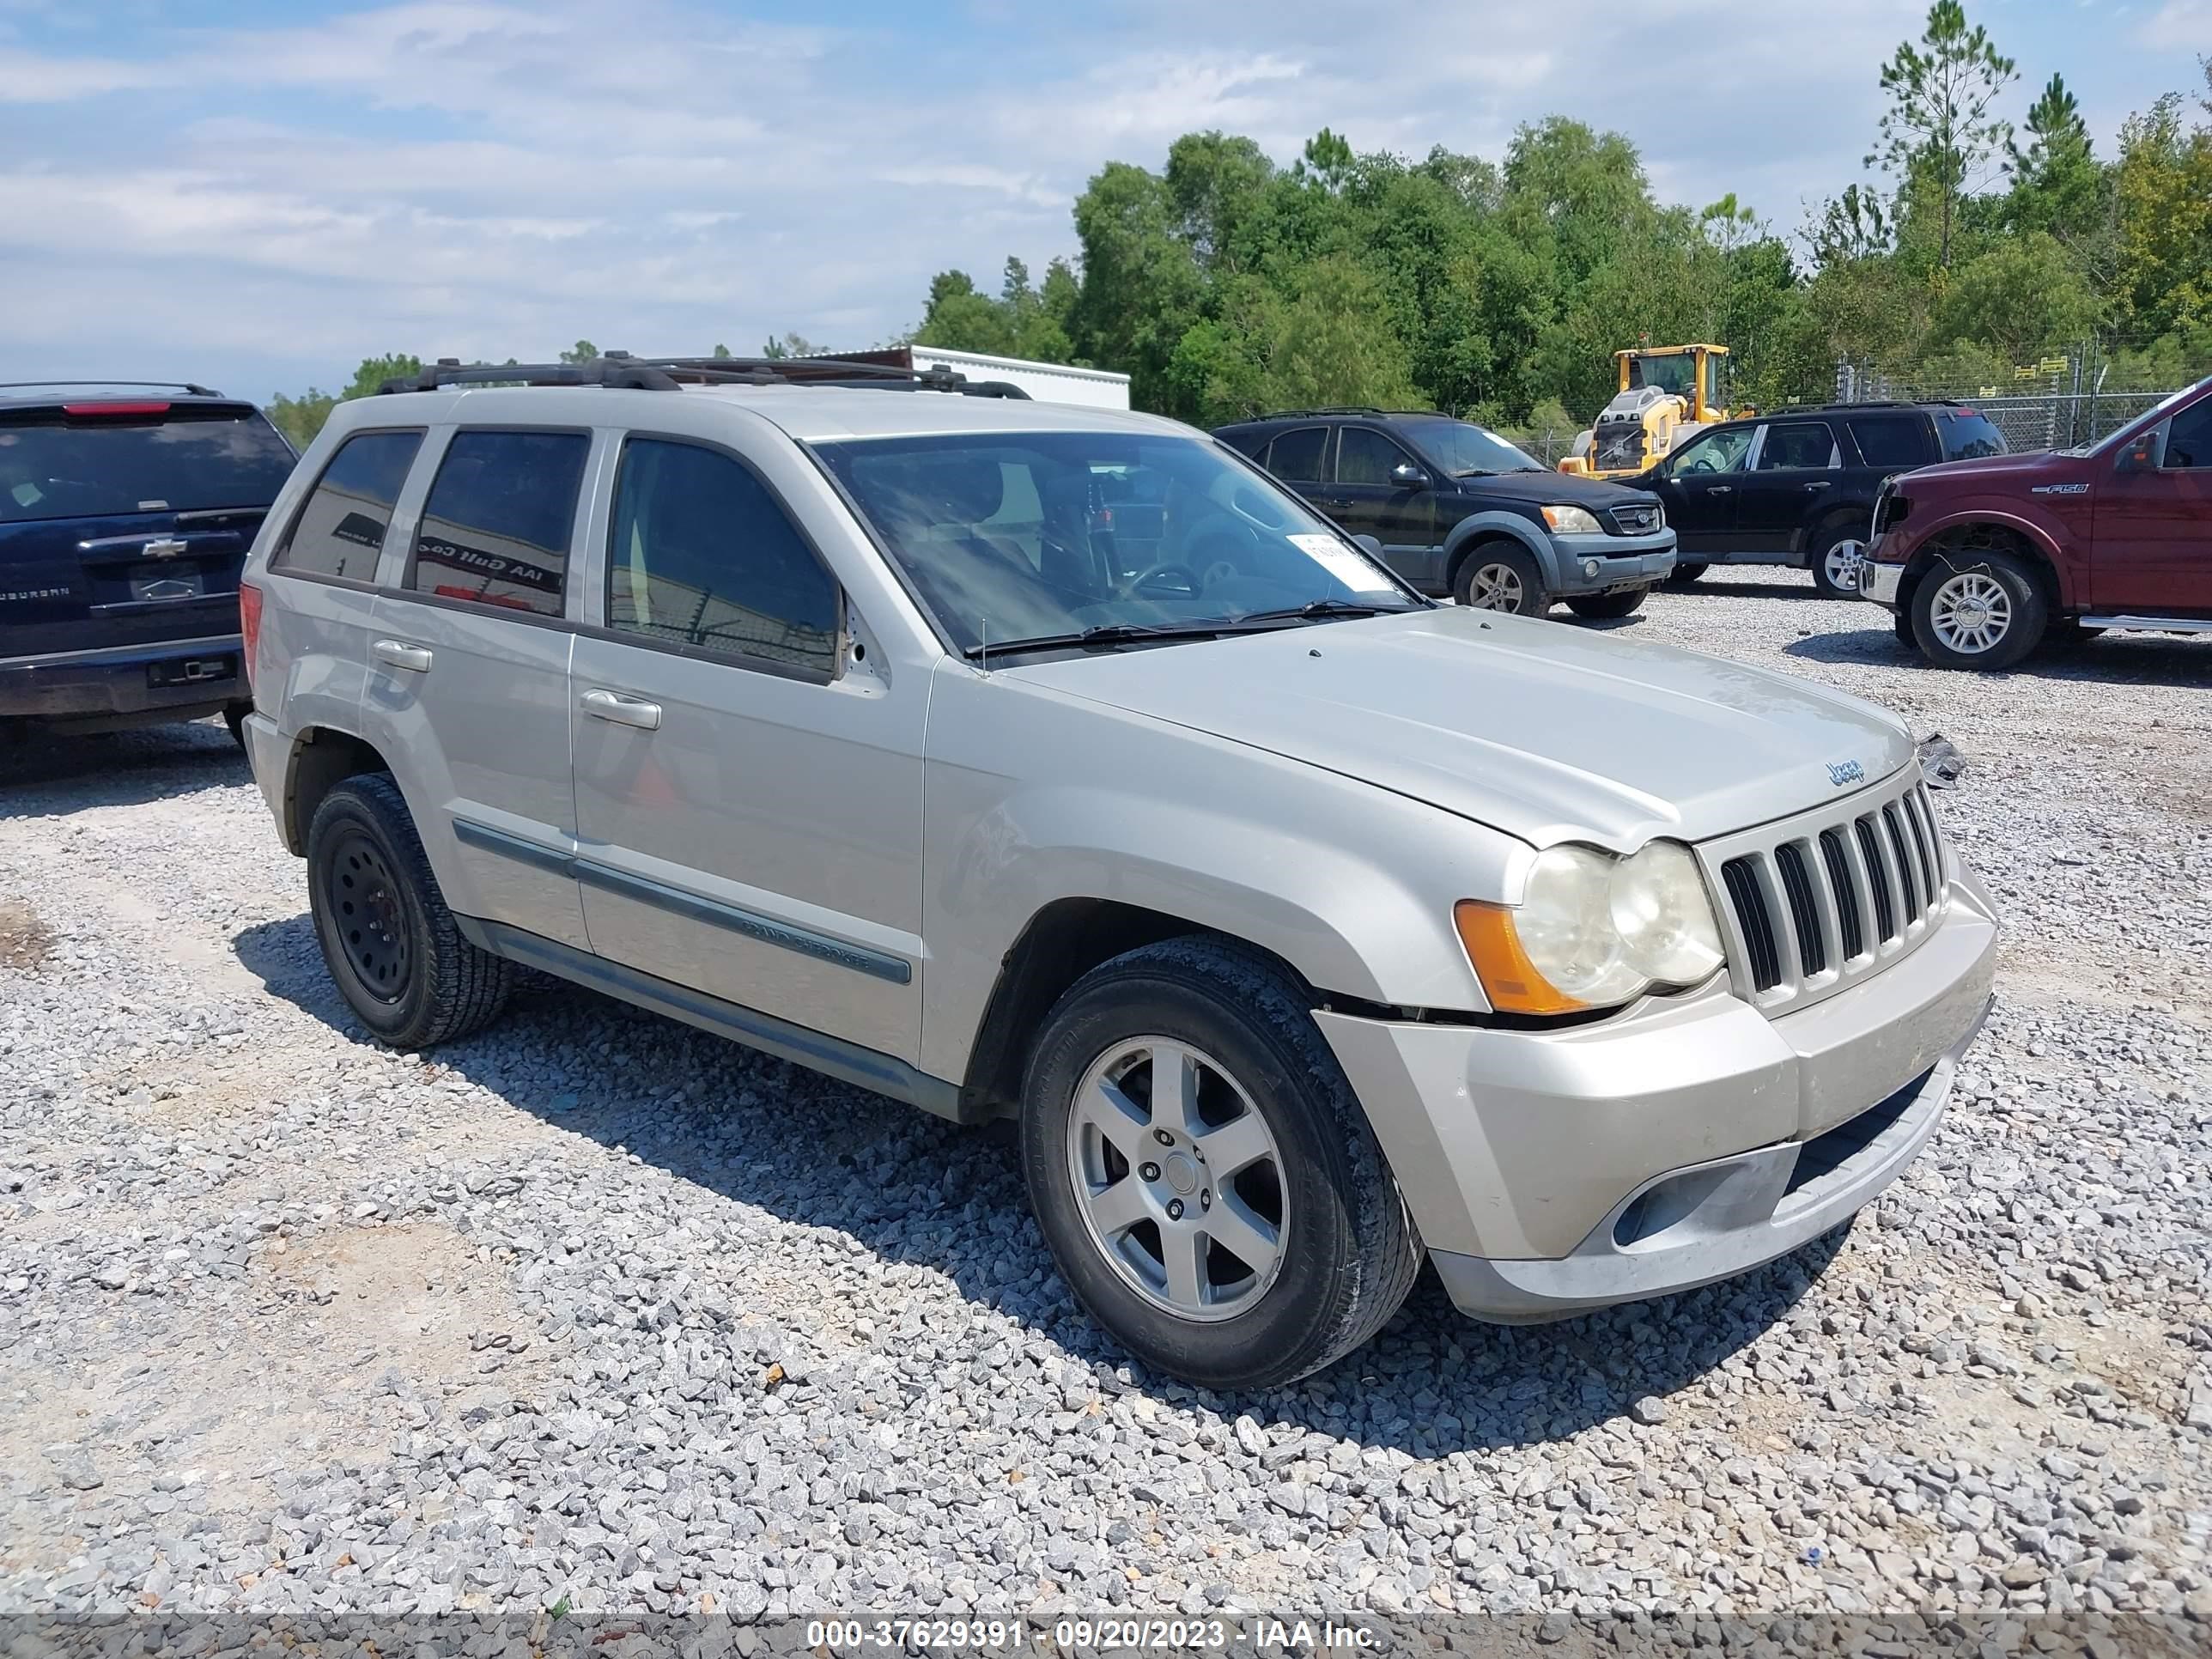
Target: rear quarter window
x=1893 y=440
x=1968 y=436
x=341 y=528
x=187 y=459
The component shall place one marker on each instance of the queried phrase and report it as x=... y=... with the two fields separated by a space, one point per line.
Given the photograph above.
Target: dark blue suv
x=125 y=513
x=1458 y=510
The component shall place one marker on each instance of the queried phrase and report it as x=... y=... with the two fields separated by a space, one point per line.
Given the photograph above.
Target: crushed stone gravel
x=592 y=1309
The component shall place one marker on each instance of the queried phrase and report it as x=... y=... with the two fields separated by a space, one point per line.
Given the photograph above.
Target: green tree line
x=1224 y=284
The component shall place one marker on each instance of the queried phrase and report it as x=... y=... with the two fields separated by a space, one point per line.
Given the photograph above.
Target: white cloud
x=468 y=176
x=2182 y=25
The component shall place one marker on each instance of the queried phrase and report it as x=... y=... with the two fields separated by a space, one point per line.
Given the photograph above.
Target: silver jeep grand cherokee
x=1016 y=760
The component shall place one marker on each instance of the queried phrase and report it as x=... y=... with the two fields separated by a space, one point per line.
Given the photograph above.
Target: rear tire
x=1684 y=573
x=1837 y=546
x=1315 y=1199
x=387 y=937
x=1600 y=607
x=233 y=717
x=1981 y=610
x=1501 y=576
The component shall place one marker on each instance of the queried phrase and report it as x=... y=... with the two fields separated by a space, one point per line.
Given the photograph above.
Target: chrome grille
x=1817 y=902
x=1636 y=520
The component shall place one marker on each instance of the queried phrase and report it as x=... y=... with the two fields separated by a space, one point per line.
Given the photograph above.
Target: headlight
x=1572 y=521
x=1593 y=930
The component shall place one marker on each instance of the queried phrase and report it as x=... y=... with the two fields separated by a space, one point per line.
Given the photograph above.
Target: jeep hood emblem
x=1843 y=772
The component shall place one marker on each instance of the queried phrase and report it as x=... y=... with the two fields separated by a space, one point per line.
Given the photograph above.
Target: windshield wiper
x=1320 y=608
x=1476 y=472
x=1098 y=638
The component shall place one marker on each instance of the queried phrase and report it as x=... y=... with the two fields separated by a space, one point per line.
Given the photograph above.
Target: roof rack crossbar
x=619 y=370
x=196 y=390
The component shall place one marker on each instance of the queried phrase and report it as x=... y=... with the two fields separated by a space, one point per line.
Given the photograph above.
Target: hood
x=1969 y=473
x=1558 y=488
x=1534 y=727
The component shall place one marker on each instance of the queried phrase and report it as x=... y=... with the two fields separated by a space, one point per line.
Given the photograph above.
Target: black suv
x=1798 y=486
x=1458 y=510
x=126 y=511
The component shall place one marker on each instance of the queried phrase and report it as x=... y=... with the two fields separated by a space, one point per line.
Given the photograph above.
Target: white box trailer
x=1049 y=383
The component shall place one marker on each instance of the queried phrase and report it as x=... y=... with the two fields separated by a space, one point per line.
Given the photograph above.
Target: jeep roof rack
x=620 y=371
x=175 y=386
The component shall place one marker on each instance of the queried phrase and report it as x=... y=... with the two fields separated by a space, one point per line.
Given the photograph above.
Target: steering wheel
x=1219 y=571
x=1191 y=582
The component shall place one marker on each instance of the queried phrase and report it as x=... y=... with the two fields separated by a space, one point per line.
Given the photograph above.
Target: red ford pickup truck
x=1982 y=560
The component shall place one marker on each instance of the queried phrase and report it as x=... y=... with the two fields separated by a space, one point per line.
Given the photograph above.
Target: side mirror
x=1374 y=547
x=2141 y=455
x=1406 y=476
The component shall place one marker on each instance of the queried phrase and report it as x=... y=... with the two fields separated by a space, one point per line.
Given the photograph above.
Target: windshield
x=1461 y=448
x=54 y=466
x=1032 y=535
x=1677 y=374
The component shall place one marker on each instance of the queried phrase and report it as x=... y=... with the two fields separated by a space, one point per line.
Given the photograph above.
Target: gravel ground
x=594 y=1308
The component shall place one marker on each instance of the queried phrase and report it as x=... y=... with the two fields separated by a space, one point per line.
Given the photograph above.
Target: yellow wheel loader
x=1666 y=393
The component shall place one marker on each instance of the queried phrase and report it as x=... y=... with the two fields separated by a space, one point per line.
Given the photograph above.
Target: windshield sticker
x=1341 y=562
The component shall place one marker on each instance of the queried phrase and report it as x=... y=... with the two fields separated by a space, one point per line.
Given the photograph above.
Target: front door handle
x=1823 y=485
x=621 y=710
x=1721 y=490
x=397 y=654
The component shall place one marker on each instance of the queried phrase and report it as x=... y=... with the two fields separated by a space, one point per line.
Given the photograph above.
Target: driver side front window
x=1711 y=452
x=2189 y=441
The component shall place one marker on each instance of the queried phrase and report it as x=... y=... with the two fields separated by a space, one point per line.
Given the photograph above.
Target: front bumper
x=124 y=685
x=1620 y=562
x=1684 y=1142
x=1878 y=582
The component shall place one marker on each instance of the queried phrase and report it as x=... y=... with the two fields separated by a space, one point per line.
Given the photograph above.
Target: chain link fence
x=2059 y=403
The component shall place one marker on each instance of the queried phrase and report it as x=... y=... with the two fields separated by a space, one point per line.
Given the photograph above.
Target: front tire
x=1685 y=572
x=1983 y=610
x=387 y=937
x=1203 y=1173
x=1837 y=552
x=1500 y=577
x=1605 y=607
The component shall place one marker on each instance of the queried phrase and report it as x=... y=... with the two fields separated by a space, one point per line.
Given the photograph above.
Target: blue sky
x=259 y=194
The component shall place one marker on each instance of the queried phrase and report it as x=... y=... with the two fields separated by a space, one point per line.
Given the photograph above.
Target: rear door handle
x=623 y=710
x=397 y=654
x=1823 y=485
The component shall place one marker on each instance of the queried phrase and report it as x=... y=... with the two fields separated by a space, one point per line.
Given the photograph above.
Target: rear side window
x=1892 y=439
x=340 y=531
x=496 y=528
x=1968 y=436
x=1250 y=445
x=178 y=458
x=1798 y=445
x=701 y=556
x=1297 y=454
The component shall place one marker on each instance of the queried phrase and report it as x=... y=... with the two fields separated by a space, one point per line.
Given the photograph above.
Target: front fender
x=1479 y=525
x=1034 y=797
x=2044 y=535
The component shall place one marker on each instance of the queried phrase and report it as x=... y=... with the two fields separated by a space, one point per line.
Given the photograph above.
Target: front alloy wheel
x=1984 y=611
x=1205 y=1178
x=1971 y=613
x=1180 y=1178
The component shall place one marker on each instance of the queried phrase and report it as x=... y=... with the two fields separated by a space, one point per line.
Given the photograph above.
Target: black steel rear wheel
x=389 y=942
x=362 y=897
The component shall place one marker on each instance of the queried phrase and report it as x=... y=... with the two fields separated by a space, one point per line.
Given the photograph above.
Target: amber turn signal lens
x=1509 y=979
